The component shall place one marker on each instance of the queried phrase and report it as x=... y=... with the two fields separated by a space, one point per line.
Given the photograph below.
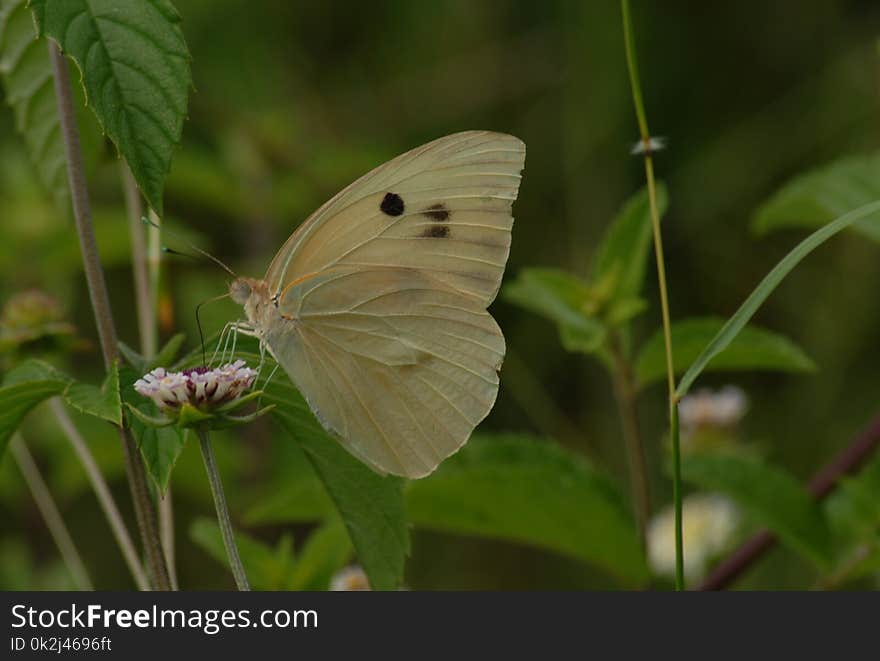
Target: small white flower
x=650 y=146
x=708 y=524
x=350 y=579
x=705 y=408
x=200 y=387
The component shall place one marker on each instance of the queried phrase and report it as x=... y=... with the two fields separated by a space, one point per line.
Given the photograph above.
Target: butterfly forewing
x=444 y=208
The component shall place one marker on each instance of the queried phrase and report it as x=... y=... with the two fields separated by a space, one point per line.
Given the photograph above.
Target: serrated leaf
x=753 y=349
x=104 y=402
x=327 y=550
x=534 y=492
x=559 y=297
x=766 y=287
x=267 y=568
x=29 y=89
x=771 y=495
x=22 y=390
x=371 y=506
x=624 y=248
x=815 y=198
x=135 y=72
x=160 y=447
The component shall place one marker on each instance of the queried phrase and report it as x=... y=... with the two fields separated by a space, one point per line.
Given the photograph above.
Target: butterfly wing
x=396 y=364
x=443 y=208
x=383 y=294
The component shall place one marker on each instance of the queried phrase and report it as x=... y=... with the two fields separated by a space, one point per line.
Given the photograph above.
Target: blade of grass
x=747 y=310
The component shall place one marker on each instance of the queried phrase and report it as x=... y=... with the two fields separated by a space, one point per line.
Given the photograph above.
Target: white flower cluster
x=350 y=579
x=720 y=409
x=709 y=522
x=200 y=387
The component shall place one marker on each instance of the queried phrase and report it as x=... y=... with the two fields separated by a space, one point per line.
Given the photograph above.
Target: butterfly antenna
x=203 y=253
x=199 y=325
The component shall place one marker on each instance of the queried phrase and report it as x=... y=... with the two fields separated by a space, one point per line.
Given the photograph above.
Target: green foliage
x=28 y=83
x=585 y=311
x=104 y=402
x=24 y=388
x=626 y=244
x=371 y=506
x=531 y=491
x=741 y=317
x=165 y=355
x=135 y=72
x=326 y=551
x=770 y=494
x=753 y=349
x=267 y=568
x=817 y=197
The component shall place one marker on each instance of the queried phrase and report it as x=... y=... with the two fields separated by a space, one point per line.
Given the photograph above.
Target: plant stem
x=50 y=513
x=625 y=394
x=143 y=506
x=823 y=483
x=635 y=84
x=102 y=491
x=143 y=299
x=222 y=512
x=146 y=281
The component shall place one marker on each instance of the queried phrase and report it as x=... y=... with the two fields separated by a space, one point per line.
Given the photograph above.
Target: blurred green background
x=294 y=100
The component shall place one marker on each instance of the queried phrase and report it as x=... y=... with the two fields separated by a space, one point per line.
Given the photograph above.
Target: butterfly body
x=376 y=305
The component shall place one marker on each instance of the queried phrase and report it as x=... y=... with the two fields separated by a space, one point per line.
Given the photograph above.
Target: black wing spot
x=436 y=232
x=392 y=204
x=437 y=212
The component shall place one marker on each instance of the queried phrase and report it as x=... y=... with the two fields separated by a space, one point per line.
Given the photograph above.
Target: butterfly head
x=240 y=290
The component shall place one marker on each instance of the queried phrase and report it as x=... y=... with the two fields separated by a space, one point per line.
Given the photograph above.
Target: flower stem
x=143 y=505
x=222 y=512
x=625 y=394
x=146 y=281
x=51 y=515
x=645 y=135
x=102 y=491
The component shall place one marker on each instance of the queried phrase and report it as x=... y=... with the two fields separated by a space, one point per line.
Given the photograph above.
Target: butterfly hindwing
x=395 y=363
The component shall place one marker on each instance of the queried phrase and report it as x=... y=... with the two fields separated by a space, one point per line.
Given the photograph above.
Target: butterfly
x=376 y=305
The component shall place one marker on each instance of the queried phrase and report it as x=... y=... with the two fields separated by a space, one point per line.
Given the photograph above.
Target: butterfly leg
x=224 y=335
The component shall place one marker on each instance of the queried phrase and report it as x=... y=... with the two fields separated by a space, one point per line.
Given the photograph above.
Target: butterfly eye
x=240 y=291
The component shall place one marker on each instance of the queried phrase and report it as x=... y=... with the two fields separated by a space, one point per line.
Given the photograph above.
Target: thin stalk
x=51 y=515
x=143 y=506
x=824 y=482
x=222 y=512
x=142 y=295
x=647 y=146
x=102 y=491
x=146 y=277
x=625 y=394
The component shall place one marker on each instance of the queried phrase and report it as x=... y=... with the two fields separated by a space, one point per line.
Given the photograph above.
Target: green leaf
x=817 y=197
x=135 y=72
x=104 y=402
x=327 y=550
x=561 y=298
x=24 y=388
x=371 y=506
x=531 y=491
x=166 y=354
x=771 y=495
x=267 y=568
x=27 y=80
x=753 y=349
x=853 y=508
x=626 y=244
x=160 y=447
x=747 y=310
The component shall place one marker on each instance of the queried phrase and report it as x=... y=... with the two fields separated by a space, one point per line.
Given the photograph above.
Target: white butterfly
x=376 y=305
